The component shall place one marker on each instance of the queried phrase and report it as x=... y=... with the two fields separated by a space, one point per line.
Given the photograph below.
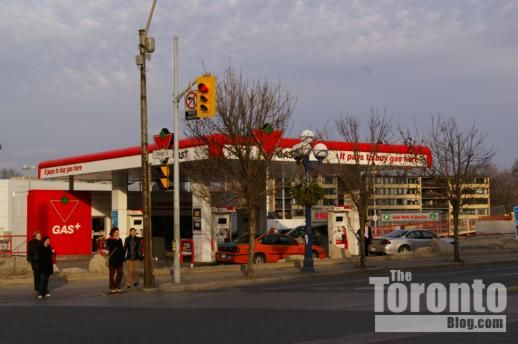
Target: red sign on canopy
x=163 y=141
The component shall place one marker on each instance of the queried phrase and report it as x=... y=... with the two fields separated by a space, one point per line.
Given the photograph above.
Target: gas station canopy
x=98 y=166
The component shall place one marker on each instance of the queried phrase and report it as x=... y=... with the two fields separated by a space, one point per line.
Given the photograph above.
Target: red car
x=269 y=248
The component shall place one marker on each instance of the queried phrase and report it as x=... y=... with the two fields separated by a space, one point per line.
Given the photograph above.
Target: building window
x=329 y=202
x=475 y=201
x=329 y=180
x=330 y=191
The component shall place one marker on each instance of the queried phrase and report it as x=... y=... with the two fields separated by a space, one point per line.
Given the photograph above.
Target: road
x=336 y=309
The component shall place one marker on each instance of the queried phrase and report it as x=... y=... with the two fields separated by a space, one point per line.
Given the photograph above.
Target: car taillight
x=385 y=242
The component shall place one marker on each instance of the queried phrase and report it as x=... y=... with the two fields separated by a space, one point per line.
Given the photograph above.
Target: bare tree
x=459 y=155
x=240 y=143
x=503 y=188
x=514 y=171
x=6 y=173
x=358 y=177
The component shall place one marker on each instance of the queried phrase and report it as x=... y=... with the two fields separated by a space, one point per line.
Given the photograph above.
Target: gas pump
x=136 y=220
x=221 y=226
x=342 y=223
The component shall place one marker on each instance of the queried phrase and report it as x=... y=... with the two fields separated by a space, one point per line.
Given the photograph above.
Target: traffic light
x=163 y=179
x=206 y=96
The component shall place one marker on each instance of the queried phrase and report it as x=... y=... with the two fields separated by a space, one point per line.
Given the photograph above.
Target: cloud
x=71 y=74
x=28 y=152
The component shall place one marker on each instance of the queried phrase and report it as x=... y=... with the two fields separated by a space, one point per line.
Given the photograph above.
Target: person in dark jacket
x=367 y=232
x=132 y=256
x=45 y=267
x=115 y=260
x=33 y=257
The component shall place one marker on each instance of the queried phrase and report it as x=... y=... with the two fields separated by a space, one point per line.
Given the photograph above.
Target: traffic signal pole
x=176 y=168
x=176 y=163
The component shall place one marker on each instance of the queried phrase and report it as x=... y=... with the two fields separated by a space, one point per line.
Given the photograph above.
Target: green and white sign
x=431 y=216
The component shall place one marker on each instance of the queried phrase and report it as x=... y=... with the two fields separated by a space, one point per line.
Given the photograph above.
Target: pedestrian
x=45 y=267
x=33 y=257
x=367 y=236
x=132 y=256
x=115 y=260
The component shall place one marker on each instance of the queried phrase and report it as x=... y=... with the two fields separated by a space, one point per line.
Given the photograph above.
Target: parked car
x=268 y=248
x=319 y=234
x=401 y=240
x=284 y=230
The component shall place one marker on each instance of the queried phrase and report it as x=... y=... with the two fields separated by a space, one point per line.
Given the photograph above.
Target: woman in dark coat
x=33 y=257
x=45 y=267
x=115 y=260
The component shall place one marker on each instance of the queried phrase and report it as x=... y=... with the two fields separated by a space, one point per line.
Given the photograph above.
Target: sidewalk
x=225 y=276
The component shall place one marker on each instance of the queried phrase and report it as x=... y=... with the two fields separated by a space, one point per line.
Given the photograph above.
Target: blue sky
x=70 y=85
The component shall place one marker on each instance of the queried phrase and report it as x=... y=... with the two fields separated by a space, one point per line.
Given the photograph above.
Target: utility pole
x=146 y=47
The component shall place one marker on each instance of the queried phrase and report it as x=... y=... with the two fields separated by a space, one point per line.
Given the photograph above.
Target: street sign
x=411 y=217
x=191 y=115
x=163 y=155
x=190 y=100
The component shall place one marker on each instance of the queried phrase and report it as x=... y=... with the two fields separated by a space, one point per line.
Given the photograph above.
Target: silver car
x=402 y=240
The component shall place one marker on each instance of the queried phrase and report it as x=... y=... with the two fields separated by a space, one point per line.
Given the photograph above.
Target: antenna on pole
x=150 y=16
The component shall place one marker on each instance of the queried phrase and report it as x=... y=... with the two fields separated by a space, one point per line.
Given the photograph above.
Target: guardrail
x=13 y=245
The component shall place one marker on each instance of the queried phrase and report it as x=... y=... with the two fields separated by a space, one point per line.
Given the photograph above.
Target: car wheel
x=314 y=254
x=259 y=258
x=404 y=248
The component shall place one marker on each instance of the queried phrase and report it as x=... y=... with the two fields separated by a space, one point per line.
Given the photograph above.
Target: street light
x=28 y=168
x=302 y=153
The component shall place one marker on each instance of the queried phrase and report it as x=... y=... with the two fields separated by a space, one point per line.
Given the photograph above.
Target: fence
x=13 y=245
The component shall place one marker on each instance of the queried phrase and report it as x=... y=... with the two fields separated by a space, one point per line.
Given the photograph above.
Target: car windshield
x=396 y=234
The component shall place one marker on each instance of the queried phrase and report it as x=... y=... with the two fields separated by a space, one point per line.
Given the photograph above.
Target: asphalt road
x=335 y=309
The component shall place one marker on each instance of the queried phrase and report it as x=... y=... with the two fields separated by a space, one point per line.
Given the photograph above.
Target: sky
x=70 y=85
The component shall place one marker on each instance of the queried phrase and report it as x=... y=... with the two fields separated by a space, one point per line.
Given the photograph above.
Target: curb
x=170 y=287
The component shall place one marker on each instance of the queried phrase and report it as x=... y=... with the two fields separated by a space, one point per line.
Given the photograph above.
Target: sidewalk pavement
x=226 y=276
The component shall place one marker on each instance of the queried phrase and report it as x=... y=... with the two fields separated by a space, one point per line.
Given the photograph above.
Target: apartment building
x=393 y=194
x=425 y=194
